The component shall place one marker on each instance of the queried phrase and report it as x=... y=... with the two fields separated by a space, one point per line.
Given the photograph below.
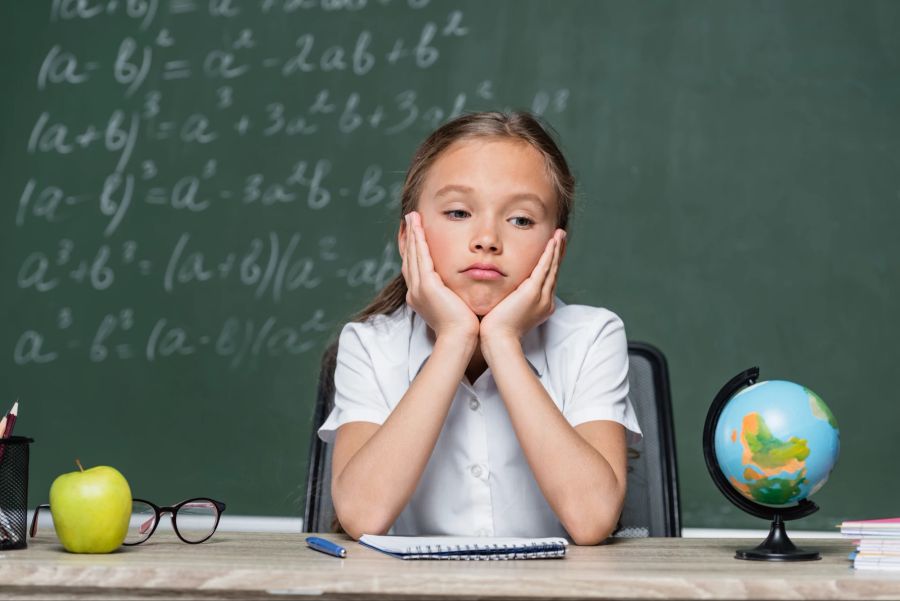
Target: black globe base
x=777 y=547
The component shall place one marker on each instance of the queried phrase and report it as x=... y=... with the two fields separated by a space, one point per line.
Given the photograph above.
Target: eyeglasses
x=193 y=520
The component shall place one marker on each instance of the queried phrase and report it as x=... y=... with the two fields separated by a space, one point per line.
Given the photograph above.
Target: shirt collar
x=421 y=345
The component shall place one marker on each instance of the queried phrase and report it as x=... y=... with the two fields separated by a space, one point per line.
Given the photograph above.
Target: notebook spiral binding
x=491 y=552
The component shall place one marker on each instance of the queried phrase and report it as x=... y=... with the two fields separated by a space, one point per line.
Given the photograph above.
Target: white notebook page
x=412 y=544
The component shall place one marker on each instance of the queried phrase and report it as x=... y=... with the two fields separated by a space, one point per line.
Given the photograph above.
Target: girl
x=469 y=400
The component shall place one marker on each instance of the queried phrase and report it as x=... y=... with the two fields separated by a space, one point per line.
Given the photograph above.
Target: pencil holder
x=14 y=492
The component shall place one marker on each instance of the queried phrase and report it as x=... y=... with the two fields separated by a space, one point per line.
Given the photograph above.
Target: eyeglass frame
x=158 y=513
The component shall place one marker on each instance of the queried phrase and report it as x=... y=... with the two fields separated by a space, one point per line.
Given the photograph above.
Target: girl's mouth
x=484 y=271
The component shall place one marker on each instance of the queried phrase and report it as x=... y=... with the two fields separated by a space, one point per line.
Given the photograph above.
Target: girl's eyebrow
x=521 y=196
x=453 y=188
x=529 y=197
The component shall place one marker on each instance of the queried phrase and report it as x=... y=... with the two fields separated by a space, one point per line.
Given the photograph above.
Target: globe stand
x=777 y=546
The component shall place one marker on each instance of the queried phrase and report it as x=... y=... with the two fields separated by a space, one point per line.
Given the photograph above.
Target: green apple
x=91 y=509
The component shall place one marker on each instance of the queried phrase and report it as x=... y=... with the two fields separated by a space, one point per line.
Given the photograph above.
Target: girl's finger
x=426 y=263
x=412 y=255
x=539 y=273
x=404 y=269
x=550 y=283
x=413 y=231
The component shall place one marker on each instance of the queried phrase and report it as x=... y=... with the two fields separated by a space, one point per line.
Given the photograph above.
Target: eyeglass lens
x=143 y=518
x=196 y=520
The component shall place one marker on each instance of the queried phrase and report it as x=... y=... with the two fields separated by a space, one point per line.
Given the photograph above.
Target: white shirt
x=477 y=481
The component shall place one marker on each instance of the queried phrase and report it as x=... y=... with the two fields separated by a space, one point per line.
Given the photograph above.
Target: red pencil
x=6 y=426
x=11 y=420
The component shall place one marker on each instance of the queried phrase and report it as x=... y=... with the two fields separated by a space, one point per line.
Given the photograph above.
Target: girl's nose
x=486 y=240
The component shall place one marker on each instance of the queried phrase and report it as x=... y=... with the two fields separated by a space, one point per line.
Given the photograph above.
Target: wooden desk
x=241 y=565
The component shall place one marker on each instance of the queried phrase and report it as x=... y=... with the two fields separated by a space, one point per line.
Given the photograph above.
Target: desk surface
x=240 y=565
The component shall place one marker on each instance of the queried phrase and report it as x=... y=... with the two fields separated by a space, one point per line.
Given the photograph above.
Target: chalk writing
x=197 y=208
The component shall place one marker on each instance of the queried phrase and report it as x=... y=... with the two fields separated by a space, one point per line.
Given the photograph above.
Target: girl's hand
x=441 y=308
x=529 y=305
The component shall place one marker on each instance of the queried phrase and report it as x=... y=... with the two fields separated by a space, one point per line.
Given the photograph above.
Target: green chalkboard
x=197 y=193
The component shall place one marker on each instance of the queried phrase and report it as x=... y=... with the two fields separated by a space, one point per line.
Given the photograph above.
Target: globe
x=777 y=442
x=769 y=446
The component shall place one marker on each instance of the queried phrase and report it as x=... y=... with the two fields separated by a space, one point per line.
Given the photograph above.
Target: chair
x=651 y=504
x=318 y=515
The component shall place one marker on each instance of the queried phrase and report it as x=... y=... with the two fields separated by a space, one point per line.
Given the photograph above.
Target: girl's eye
x=521 y=221
x=456 y=214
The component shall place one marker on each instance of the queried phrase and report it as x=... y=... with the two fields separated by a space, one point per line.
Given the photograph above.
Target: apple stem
x=78 y=463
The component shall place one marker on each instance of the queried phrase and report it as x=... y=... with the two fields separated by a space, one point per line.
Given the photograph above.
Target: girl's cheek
x=437 y=241
x=436 y=249
x=534 y=255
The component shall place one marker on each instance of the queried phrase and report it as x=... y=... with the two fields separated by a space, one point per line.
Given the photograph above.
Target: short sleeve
x=601 y=388
x=357 y=395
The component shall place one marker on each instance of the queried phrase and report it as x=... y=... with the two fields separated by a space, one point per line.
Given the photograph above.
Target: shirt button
x=474 y=404
x=476 y=471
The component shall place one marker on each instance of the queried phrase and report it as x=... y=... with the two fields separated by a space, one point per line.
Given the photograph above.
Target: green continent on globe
x=819 y=409
x=774 y=491
x=768 y=451
x=766 y=457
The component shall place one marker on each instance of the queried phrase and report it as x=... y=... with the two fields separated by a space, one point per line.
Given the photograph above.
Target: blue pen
x=326 y=546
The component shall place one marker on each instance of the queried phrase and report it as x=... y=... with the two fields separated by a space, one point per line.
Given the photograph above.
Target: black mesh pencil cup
x=13 y=491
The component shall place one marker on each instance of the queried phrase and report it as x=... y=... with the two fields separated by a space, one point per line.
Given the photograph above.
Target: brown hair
x=516 y=126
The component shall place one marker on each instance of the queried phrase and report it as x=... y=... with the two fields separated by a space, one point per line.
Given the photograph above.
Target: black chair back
x=651 y=503
x=318 y=515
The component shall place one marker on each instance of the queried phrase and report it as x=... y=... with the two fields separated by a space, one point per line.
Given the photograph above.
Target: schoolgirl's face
x=488 y=208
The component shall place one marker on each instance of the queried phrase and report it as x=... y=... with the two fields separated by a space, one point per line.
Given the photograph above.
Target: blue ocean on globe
x=776 y=442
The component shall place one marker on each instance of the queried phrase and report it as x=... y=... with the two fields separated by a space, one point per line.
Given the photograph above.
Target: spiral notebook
x=465 y=547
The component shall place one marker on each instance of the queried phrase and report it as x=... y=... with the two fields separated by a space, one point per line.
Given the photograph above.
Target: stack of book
x=877 y=543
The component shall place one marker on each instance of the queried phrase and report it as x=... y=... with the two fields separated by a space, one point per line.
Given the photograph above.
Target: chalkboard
x=197 y=194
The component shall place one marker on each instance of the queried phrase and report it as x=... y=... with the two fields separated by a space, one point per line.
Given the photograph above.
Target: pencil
x=6 y=426
x=11 y=420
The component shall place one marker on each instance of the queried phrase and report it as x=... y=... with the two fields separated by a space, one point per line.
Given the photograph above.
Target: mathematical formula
x=241 y=160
